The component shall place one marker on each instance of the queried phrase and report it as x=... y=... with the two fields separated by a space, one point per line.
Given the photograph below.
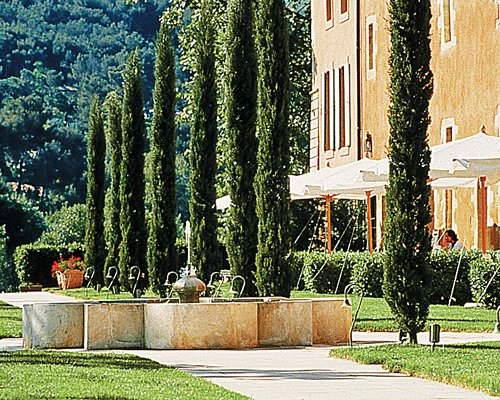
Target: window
x=446 y=23
x=329 y=10
x=371 y=46
x=448 y=130
x=343 y=6
x=497 y=2
x=342 y=106
x=344 y=10
x=326 y=110
x=342 y=100
x=497 y=120
x=448 y=134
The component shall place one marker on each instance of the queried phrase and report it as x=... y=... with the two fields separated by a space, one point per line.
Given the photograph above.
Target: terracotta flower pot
x=70 y=279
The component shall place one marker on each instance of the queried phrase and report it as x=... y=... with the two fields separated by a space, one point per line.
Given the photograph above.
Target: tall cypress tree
x=95 y=250
x=271 y=181
x=113 y=112
x=204 y=244
x=162 y=256
x=408 y=245
x=240 y=115
x=132 y=215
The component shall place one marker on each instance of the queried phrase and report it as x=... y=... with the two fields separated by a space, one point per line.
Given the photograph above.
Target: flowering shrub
x=73 y=263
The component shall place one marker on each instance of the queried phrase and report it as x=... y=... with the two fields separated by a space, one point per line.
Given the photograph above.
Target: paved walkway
x=305 y=373
x=21 y=298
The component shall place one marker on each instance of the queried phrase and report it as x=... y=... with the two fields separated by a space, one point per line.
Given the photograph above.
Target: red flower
x=73 y=263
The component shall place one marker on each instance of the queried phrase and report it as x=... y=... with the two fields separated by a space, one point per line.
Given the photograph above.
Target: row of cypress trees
x=256 y=100
x=129 y=242
x=256 y=117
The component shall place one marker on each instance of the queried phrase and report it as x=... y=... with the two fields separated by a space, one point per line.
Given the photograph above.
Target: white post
x=188 y=240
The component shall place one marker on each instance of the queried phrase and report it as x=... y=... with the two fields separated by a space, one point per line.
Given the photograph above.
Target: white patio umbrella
x=343 y=182
x=474 y=157
x=470 y=157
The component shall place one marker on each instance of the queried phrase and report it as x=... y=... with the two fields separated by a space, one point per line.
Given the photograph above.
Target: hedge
x=33 y=262
x=444 y=265
x=484 y=279
x=320 y=273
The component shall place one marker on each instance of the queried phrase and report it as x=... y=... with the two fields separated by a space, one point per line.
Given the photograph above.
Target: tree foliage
x=95 y=250
x=407 y=239
x=271 y=181
x=65 y=226
x=240 y=116
x=112 y=204
x=162 y=256
x=132 y=215
x=202 y=157
x=55 y=56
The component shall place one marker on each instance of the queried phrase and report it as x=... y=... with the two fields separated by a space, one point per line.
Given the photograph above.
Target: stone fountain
x=189 y=286
x=188 y=322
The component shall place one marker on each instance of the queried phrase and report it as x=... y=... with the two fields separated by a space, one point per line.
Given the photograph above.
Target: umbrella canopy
x=343 y=182
x=471 y=157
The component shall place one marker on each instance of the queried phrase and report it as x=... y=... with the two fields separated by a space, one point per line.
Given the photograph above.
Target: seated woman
x=451 y=239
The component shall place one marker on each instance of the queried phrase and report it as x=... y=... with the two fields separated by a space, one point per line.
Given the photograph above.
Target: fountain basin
x=211 y=324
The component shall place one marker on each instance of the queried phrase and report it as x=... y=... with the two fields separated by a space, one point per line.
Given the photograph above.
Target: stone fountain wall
x=222 y=325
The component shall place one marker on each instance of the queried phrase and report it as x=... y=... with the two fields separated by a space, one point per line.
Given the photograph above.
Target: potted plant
x=69 y=272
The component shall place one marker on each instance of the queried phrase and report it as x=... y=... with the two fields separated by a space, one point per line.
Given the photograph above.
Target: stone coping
x=160 y=324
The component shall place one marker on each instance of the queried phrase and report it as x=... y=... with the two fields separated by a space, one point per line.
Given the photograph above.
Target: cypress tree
x=240 y=115
x=162 y=256
x=408 y=245
x=112 y=208
x=271 y=181
x=132 y=216
x=205 y=247
x=95 y=250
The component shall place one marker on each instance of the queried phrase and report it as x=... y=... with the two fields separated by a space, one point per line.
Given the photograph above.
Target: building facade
x=349 y=98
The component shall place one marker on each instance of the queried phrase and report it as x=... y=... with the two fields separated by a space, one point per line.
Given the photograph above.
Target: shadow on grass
x=79 y=360
x=475 y=346
x=465 y=320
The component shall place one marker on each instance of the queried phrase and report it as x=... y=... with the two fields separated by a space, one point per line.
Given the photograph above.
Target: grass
x=49 y=374
x=472 y=365
x=11 y=321
x=92 y=294
x=375 y=315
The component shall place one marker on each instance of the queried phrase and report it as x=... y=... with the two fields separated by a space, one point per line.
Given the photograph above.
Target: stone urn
x=189 y=289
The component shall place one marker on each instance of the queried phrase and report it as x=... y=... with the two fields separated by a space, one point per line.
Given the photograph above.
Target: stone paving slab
x=18 y=299
x=303 y=373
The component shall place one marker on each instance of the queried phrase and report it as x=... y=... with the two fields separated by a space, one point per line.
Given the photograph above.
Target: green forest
x=56 y=55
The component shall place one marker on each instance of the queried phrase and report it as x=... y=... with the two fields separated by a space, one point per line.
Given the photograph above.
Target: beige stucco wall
x=333 y=45
x=466 y=88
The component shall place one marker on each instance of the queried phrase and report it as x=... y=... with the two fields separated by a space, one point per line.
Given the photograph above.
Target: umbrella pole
x=369 y=216
x=329 y=223
x=484 y=212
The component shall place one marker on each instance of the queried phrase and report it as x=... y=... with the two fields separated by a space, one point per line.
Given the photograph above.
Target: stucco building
x=349 y=97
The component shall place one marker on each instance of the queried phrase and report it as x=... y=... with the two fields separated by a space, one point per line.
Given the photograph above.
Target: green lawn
x=375 y=315
x=11 y=321
x=472 y=365
x=46 y=374
x=92 y=294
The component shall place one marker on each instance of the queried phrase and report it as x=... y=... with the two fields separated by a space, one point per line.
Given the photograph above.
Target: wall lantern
x=368 y=143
